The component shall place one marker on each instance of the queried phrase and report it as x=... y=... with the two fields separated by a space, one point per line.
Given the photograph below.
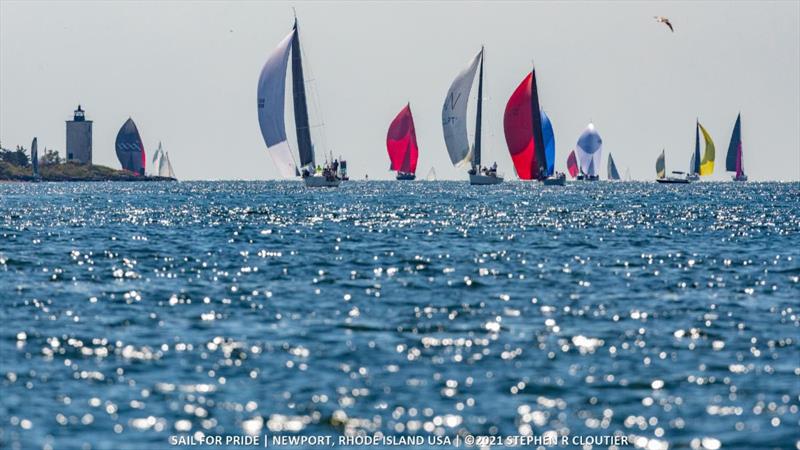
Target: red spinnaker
x=572 y=164
x=518 y=127
x=401 y=142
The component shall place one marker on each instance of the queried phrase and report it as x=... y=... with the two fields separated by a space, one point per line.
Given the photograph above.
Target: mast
x=476 y=157
x=540 y=169
x=304 y=145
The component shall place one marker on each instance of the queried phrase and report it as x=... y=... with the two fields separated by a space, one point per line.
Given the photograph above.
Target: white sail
x=271 y=103
x=589 y=151
x=163 y=170
x=454 y=114
x=158 y=153
x=170 y=172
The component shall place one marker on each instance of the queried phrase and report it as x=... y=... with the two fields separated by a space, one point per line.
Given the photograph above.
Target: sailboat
x=613 y=173
x=701 y=167
x=661 y=172
x=589 y=151
x=733 y=161
x=401 y=143
x=162 y=163
x=271 y=105
x=130 y=149
x=454 y=124
x=572 y=164
x=431 y=175
x=528 y=132
x=35 y=158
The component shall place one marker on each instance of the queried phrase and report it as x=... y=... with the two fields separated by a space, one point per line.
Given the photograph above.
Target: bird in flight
x=665 y=21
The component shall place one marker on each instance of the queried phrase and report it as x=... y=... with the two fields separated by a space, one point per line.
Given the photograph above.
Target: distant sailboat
x=572 y=164
x=35 y=158
x=613 y=173
x=661 y=172
x=733 y=161
x=589 y=151
x=454 y=124
x=130 y=150
x=431 y=175
x=162 y=163
x=701 y=166
x=271 y=104
x=401 y=143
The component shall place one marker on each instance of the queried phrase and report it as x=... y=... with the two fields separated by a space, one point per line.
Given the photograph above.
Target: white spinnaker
x=589 y=151
x=271 y=105
x=454 y=114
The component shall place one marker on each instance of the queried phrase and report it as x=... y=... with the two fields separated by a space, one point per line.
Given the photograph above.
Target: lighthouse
x=79 y=138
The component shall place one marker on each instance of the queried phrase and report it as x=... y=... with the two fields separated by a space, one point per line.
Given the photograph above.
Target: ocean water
x=132 y=312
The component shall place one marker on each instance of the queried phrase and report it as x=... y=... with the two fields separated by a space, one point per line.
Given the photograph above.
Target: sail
x=549 y=144
x=572 y=164
x=271 y=104
x=401 y=142
x=661 y=168
x=517 y=125
x=589 y=150
x=476 y=148
x=540 y=157
x=35 y=156
x=613 y=173
x=707 y=164
x=454 y=113
x=733 y=161
x=170 y=172
x=694 y=165
x=300 y=107
x=163 y=165
x=130 y=150
x=158 y=153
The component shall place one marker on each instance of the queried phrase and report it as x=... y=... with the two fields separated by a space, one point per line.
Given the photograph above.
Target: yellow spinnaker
x=707 y=163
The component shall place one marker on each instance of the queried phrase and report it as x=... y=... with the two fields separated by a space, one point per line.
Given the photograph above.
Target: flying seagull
x=665 y=21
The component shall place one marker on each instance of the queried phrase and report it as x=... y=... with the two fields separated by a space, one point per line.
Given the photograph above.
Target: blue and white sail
x=549 y=143
x=589 y=151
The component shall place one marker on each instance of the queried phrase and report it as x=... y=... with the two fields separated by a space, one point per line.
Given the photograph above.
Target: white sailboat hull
x=320 y=181
x=479 y=180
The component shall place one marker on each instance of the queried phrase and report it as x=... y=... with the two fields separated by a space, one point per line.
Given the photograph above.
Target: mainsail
x=733 y=161
x=549 y=143
x=707 y=163
x=694 y=164
x=159 y=153
x=35 y=157
x=454 y=114
x=661 y=168
x=589 y=150
x=401 y=142
x=572 y=164
x=613 y=173
x=130 y=150
x=271 y=105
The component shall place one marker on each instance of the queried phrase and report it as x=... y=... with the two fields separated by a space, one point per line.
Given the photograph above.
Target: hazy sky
x=186 y=71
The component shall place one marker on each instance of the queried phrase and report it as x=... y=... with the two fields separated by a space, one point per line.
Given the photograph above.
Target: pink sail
x=401 y=142
x=572 y=164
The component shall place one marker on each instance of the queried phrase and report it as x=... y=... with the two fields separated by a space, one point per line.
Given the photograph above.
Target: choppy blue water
x=133 y=312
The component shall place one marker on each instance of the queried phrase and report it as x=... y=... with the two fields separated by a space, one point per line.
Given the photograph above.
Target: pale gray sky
x=186 y=71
